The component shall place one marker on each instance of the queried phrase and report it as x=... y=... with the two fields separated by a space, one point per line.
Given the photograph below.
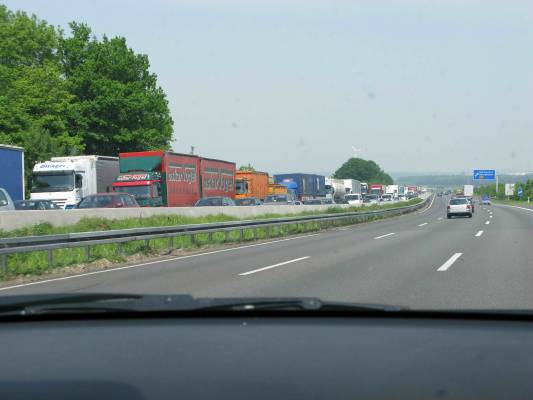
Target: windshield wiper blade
x=294 y=303
x=97 y=303
x=28 y=305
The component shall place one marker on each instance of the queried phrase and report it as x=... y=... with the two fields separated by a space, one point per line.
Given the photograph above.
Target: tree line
x=72 y=93
x=490 y=190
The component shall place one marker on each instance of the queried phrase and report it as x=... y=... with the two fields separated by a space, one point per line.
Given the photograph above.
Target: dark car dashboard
x=260 y=357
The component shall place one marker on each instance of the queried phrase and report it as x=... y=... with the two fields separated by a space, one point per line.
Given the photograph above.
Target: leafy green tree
x=118 y=104
x=248 y=167
x=362 y=170
x=68 y=95
x=35 y=106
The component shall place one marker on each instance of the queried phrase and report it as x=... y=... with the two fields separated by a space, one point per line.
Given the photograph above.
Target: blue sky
x=419 y=86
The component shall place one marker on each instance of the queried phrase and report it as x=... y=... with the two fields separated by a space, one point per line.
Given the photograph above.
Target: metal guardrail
x=49 y=243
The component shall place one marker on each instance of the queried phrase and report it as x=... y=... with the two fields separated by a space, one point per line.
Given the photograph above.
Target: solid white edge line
x=274 y=266
x=152 y=262
x=382 y=236
x=479 y=233
x=420 y=212
x=425 y=223
x=450 y=262
x=487 y=222
x=521 y=208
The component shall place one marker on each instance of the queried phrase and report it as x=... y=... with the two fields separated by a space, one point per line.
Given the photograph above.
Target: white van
x=354 y=199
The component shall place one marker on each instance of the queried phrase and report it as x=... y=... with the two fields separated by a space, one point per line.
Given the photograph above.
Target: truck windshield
x=139 y=192
x=241 y=187
x=61 y=181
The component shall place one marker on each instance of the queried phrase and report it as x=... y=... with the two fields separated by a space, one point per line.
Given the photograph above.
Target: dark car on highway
x=247 y=201
x=274 y=199
x=109 y=200
x=36 y=205
x=328 y=201
x=313 y=202
x=216 y=201
x=371 y=199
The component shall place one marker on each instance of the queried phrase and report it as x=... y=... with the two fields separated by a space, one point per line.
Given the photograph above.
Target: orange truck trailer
x=274 y=188
x=251 y=184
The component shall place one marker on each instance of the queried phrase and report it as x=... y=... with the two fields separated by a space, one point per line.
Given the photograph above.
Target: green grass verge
x=515 y=203
x=37 y=263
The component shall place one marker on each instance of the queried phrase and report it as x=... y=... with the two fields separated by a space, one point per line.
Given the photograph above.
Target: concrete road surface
x=420 y=260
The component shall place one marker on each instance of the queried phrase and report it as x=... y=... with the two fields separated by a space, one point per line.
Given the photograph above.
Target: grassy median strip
x=514 y=203
x=37 y=263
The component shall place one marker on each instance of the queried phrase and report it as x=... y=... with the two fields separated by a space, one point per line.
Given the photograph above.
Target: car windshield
x=96 y=202
x=352 y=197
x=244 y=202
x=374 y=142
x=276 y=199
x=455 y=202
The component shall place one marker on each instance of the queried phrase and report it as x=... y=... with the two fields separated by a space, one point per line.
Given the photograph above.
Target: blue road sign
x=520 y=192
x=484 y=174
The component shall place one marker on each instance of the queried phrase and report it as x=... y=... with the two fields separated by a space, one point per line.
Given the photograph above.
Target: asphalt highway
x=420 y=260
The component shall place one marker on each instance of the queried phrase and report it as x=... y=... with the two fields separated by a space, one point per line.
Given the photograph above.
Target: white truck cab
x=67 y=180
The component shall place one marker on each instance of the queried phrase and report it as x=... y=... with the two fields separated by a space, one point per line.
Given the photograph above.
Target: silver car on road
x=6 y=203
x=459 y=206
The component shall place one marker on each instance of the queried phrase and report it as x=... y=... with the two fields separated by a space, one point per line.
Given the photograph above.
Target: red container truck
x=158 y=178
x=377 y=188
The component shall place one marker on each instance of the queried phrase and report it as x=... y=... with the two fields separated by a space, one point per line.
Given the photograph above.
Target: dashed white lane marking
x=155 y=262
x=274 y=266
x=479 y=233
x=425 y=223
x=382 y=236
x=487 y=222
x=450 y=262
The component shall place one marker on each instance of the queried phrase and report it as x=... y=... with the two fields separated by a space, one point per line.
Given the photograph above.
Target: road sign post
x=486 y=174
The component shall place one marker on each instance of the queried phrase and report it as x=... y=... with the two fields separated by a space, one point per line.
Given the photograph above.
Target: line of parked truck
x=167 y=179
x=351 y=191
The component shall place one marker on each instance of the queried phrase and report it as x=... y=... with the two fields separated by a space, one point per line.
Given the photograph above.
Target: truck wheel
x=469 y=215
